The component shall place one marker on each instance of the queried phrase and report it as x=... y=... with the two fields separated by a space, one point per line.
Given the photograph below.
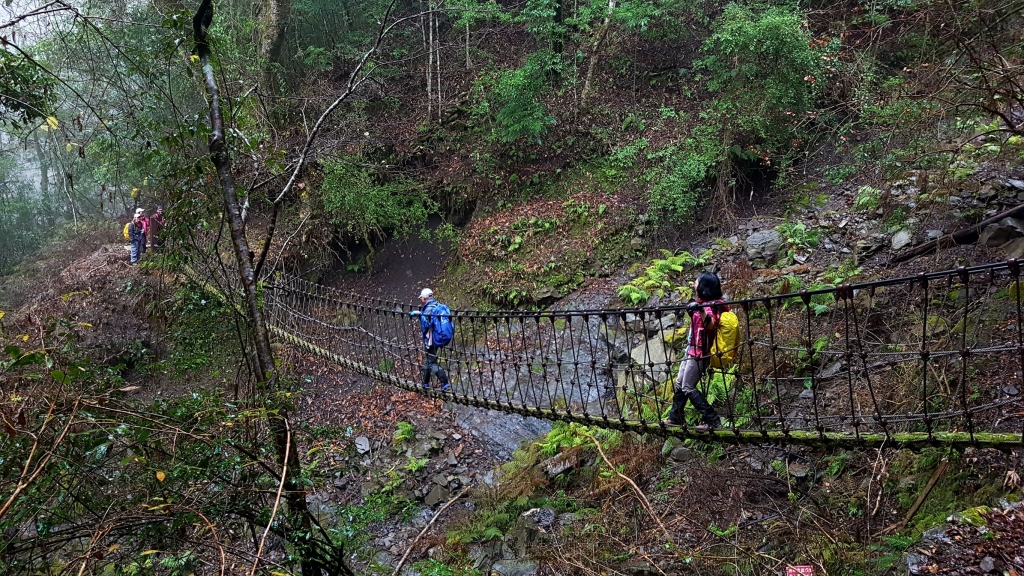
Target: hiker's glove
x=692 y=307
x=414 y=313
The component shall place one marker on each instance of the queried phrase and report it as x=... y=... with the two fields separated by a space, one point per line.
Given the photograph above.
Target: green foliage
x=432 y=567
x=124 y=462
x=520 y=113
x=539 y=18
x=404 y=432
x=570 y=435
x=867 y=199
x=416 y=464
x=723 y=532
x=834 y=465
x=763 y=67
x=662 y=276
x=798 y=236
x=892 y=550
x=616 y=168
x=358 y=203
x=201 y=328
x=379 y=506
x=319 y=32
x=843 y=272
x=839 y=174
x=25 y=90
x=895 y=220
x=682 y=170
x=487 y=524
x=21 y=214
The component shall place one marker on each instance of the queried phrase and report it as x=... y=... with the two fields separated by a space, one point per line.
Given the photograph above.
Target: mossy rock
x=974 y=516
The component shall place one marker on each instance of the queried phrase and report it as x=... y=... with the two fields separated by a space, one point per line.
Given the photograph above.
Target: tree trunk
x=294 y=495
x=437 y=64
x=595 y=51
x=274 y=16
x=558 y=38
x=468 y=65
x=44 y=177
x=430 y=60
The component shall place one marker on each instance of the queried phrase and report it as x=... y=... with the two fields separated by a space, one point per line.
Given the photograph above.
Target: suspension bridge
x=930 y=359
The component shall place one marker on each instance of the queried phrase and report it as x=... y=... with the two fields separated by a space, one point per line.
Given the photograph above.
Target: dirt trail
x=401 y=267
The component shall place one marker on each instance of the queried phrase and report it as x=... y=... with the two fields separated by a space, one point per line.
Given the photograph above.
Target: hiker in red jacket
x=156 y=226
x=705 y=313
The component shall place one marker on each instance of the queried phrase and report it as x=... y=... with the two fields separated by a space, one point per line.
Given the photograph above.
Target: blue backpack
x=441 y=325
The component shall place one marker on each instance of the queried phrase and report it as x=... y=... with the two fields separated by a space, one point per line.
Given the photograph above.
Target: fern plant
x=416 y=464
x=661 y=276
x=404 y=431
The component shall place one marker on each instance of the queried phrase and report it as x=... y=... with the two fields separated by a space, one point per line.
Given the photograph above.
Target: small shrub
x=357 y=201
x=866 y=199
x=683 y=170
x=404 y=431
x=839 y=174
x=570 y=435
x=516 y=98
x=416 y=464
x=763 y=65
x=798 y=236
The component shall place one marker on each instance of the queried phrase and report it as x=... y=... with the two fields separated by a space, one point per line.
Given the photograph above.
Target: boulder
x=654 y=356
x=436 y=495
x=765 y=245
x=618 y=352
x=362 y=444
x=425 y=449
x=546 y=295
x=542 y=517
x=516 y=567
x=660 y=324
x=607 y=333
x=556 y=465
x=1014 y=248
x=1001 y=232
x=799 y=470
x=483 y=556
x=632 y=322
x=670 y=444
x=681 y=454
x=902 y=239
x=520 y=537
x=867 y=248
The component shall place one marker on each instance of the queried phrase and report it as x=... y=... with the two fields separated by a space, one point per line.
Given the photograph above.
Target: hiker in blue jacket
x=430 y=348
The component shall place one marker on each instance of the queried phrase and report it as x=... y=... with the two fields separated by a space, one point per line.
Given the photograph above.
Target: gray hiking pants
x=690 y=372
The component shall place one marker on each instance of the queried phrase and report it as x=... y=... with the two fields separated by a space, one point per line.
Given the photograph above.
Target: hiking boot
x=446 y=387
x=670 y=422
x=426 y=385
x=705 y=428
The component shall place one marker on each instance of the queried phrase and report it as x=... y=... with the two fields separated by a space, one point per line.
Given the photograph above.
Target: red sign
x=799 y=570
